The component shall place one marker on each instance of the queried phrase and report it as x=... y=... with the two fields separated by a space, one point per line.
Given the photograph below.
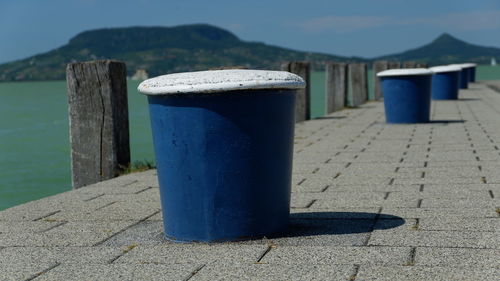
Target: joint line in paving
x=372 y=227
x=42 y=272
x=106 y=205
x=265 y=252
x=386 y=195
x=311 y=203
x=92 y=198
x=129 y=183
x=194 y=272
x=54 y=226
x=125 y=251
x=145 y=189
x=47 y=215
x=121 y=231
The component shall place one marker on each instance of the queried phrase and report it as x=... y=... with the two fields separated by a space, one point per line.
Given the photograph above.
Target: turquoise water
x=34 y=142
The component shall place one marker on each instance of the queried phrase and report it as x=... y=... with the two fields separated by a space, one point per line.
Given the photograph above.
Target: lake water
x=34 y=142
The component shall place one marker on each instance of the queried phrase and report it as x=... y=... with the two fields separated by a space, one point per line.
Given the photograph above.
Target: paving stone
x=459 y=203
x=444 y=180
x=61 y=255
x=352 y=180
x=25 y=226
x=95 y=227
x=22 y=270
x=440 y=193
x=460 y=224
x=462 y=187
x=298 y=202
x=365 y=202
x=313 y=184
x=374 y=188
x=418 y=273
x=274 y=272
x=171 y=253
x=144 y=233
x=457 y=257
x=441 y=212
x=117 y=211
x=435 y=239
x=57 y=239
x=299 y=255
x=120 y=272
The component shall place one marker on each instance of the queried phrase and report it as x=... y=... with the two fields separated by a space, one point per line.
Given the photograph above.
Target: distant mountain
x=447 y=49
x=159 y=50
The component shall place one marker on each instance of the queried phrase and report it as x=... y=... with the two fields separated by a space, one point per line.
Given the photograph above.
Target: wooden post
x=410 y=64
x=358 y=83
x=98 y=116
x=303 y=100
x=336 y=86
x=378 y=66
x=394 y=64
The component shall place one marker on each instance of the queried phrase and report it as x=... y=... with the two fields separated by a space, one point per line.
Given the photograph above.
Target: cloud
x=343 y=24
x=467 y=21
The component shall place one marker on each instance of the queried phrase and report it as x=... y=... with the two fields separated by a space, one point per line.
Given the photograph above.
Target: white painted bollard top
x=445 y=68
x=464 y=65
x=214 y=81
x=405 y=72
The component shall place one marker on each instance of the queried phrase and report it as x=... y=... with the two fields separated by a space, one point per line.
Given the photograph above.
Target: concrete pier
x=370 y=201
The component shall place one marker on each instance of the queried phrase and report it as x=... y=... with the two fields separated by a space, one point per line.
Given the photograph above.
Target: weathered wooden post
x=410 y=64
x=358 y=84
x=98 y=116
x=303 y=100
x=394 y=64
x=378 y=66
x=336 y=86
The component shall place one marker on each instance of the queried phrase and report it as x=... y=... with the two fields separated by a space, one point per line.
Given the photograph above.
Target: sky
x=366 y=28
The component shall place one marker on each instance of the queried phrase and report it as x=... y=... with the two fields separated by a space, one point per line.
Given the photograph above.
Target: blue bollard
x=464 y=78
x=472 y=72
x=445 y=82
x=468 y=74
x=407 y=95
x=224 y=145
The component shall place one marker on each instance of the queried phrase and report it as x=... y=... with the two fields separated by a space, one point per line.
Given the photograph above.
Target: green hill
x=159 y=50
x=447 y=49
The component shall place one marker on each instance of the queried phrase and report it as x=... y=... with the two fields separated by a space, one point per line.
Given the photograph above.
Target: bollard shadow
x=446 y=121
x=330 y=117
x=338 y=223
